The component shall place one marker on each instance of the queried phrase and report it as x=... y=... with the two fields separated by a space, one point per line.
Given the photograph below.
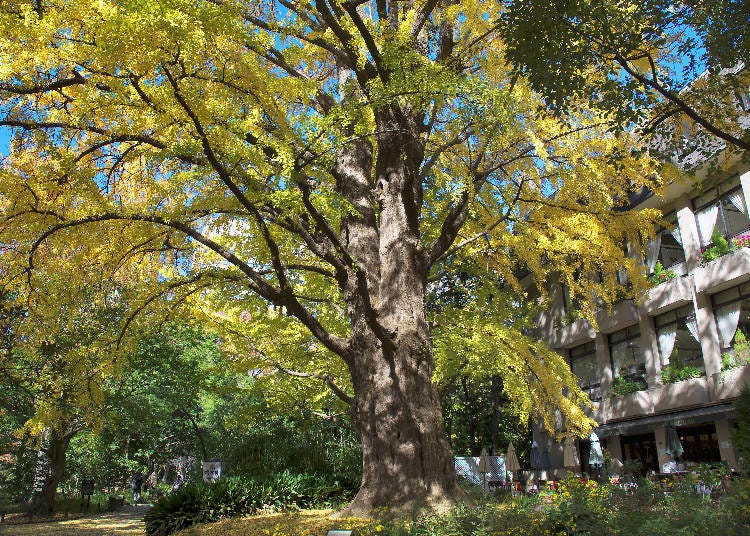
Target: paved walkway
x=126 y=521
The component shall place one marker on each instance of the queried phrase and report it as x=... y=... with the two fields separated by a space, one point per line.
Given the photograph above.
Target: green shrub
x=741 y=356
x=741 y=434
x=661 y=275
x=718 y=248
x=622 y=386
x=235 y=496
x=587 y=508
x=675 y=372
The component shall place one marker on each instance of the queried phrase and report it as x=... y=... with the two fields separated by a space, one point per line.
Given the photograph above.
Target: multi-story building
x=699 y=319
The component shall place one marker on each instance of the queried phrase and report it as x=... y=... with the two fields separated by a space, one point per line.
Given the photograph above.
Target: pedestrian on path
x=136 y=484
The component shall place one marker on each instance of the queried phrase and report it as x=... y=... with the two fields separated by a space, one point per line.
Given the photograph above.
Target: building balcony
x=668 y=295
x=573 y=334
x=684 y=394
x=635 y=404
x=621 y=315
x=724 y=272
x=728 y=384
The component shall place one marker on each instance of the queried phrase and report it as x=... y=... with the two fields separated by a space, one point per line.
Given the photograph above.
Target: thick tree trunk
x=53 y=468
x=407 y=462
x=406 y=459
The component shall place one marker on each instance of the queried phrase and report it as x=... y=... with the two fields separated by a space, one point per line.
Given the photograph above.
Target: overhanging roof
x=680 y=418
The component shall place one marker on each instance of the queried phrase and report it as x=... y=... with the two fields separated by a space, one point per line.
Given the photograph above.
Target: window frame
x=592 y=388
x=743 y=293
x=721 y=193
x=680 y=264
x=679 y=320
x=629 y=334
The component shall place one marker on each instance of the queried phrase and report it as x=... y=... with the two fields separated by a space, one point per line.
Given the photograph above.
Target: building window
x=640 y=449
x=628 y=361
x=666 y=248
x=732 y=312
x=700 y=443
x=677 y=335
x=721 y=209
x=584 y=366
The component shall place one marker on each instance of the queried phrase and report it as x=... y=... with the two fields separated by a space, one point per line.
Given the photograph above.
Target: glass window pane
x=671 y=251
x=735 y=220
x=726 y=296
x=687 y=350
x=664 y=319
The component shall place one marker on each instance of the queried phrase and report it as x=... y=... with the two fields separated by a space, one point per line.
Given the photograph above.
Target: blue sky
x=4 y=141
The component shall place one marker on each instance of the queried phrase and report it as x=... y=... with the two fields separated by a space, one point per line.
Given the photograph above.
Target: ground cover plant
x=578 y=507
x=241 y=496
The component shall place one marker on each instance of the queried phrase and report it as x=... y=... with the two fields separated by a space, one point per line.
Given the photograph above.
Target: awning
x=680 y=418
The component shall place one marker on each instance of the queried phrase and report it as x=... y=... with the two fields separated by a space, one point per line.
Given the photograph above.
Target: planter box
x=574 y=334
x=724 y=272
x=668 y=295
x=626 y=406
x=622 y=314
x=728 y=384
x=687 y=393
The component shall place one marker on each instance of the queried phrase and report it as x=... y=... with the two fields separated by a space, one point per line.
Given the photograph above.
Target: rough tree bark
x=54 y=449
x=407 y=460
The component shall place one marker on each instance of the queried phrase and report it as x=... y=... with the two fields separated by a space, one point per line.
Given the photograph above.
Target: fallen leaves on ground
x=122 y=523
x=305 y=523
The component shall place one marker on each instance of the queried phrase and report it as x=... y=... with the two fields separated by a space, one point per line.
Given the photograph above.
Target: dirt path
x=126 y=521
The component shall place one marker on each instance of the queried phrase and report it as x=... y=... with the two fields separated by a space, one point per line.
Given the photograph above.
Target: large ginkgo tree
x=303 y=175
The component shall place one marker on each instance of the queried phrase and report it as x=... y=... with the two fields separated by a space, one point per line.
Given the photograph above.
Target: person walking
x=136 y=484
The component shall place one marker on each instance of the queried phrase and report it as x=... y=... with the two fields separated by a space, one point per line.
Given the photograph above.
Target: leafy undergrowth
x=577 y=508
x=241 y=496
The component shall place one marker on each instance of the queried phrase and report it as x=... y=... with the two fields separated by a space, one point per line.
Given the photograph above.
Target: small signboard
x=211 y=471
x=87 y=487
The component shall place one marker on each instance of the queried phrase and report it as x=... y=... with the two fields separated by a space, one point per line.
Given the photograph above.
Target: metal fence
x=468 y=468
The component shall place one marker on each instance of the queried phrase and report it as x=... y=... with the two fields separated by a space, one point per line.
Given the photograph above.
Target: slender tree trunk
x=496 y=395
x=471 y=417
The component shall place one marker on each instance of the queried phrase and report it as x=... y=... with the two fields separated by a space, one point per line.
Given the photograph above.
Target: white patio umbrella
x=511 y=463
x=571 y=460
x=511 y=459
x=596 y=457
x=673 y=446
x=484 y=468
x=535 y=457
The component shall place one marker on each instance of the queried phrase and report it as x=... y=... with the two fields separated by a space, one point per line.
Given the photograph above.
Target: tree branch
x=76 y=80
x=259 y=285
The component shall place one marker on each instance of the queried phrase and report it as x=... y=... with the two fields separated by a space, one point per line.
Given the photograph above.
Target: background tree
x=156 y=404
x=675 y=70
x=53 y=373
x=326 y=158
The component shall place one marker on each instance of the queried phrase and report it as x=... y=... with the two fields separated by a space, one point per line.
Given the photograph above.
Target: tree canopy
x=674 y=70
x=305 y=177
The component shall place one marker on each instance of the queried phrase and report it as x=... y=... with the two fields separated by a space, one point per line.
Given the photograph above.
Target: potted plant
x=661 y=275
x=718 y=248
x=677 y=371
